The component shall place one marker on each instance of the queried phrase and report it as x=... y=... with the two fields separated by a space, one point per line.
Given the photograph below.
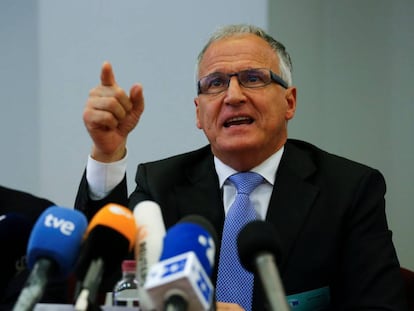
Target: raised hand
x=110 y=115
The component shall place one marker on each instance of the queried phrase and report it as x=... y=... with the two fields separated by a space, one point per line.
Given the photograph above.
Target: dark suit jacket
x=12 y=280
x=329 y=213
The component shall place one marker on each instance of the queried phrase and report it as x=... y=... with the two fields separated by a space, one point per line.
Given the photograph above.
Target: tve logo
x=66 y=227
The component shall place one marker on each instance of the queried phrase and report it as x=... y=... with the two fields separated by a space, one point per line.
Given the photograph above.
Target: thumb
x=136 y=97
x=107 y=75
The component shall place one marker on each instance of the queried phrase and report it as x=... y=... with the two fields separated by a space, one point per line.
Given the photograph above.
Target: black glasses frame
x=274 y=78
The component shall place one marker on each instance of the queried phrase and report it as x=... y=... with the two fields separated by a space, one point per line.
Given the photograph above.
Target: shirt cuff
x=102 y=177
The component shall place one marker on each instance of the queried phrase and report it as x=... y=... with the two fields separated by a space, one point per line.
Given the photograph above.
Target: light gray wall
x=51 y=55
x=19 y=105
x=353 y=66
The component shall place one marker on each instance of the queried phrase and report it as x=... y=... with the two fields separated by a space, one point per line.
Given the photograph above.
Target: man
x=328 y=211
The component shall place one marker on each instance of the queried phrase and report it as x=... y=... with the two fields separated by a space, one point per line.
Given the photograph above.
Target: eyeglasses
x=218 y=82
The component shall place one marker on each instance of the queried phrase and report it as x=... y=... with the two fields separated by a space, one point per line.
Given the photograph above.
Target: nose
x=234 y=93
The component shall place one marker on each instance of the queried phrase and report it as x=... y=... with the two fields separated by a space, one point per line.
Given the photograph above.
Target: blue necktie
x=234 y=283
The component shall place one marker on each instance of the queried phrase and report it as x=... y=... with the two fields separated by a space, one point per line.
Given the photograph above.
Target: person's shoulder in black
x=24 y=209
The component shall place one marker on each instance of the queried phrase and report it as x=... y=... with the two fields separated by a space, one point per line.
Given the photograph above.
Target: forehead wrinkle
x=229 y=60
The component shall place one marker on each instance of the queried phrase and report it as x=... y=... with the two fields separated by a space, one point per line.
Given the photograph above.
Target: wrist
x=106 y=157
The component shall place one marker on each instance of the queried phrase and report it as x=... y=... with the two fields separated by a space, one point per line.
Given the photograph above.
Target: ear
x=196 y=103
x=290 y=97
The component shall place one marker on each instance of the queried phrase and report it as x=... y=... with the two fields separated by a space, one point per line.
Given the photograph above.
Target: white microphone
x=148 y=246
x=258 y=246
x=181 y=280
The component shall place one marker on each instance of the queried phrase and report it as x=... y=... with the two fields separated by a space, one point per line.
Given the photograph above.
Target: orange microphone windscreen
x=118 y=218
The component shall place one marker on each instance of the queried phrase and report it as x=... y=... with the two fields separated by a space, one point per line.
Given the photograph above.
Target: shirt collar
x=267 y=168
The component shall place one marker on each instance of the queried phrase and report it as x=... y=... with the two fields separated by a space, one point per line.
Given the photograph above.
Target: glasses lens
x=218 y=82
x=254 y=77
x=214 y=83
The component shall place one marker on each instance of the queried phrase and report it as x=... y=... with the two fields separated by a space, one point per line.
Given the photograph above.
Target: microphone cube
x=181 y=275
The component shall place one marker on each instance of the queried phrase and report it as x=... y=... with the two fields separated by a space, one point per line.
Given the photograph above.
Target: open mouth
x=238 y=121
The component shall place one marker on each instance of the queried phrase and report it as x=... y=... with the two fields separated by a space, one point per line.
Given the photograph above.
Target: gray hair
x=285 y=62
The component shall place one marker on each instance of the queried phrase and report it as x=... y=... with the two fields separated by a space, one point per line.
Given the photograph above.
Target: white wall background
x=353 y=65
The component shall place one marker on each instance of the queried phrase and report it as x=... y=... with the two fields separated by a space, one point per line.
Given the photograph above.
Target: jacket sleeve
x=370 y=270
x=89 y=207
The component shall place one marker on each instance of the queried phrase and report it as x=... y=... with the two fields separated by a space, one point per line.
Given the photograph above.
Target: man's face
x=263 y=111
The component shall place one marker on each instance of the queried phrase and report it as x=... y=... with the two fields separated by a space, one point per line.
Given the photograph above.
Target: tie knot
x=246 y=182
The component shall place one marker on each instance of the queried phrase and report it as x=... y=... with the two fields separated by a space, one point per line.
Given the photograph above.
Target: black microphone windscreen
x=257 y=237
x=105 y=243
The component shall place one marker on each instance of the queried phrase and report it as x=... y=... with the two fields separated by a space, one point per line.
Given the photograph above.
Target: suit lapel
x=200 y=194
x=289 y=205
x=292 y=197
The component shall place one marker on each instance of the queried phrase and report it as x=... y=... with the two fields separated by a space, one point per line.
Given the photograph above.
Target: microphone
x=52 y=251
x=258 y=246
x=181 y=279
x=109 y=238
x=150 y=234
x=14 y=235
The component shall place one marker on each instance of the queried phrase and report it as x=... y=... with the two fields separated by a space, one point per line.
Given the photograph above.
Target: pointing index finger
x=107 y=75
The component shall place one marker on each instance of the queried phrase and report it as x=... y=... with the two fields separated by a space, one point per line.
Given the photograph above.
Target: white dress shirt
x=103 y=177
x=260 y=196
